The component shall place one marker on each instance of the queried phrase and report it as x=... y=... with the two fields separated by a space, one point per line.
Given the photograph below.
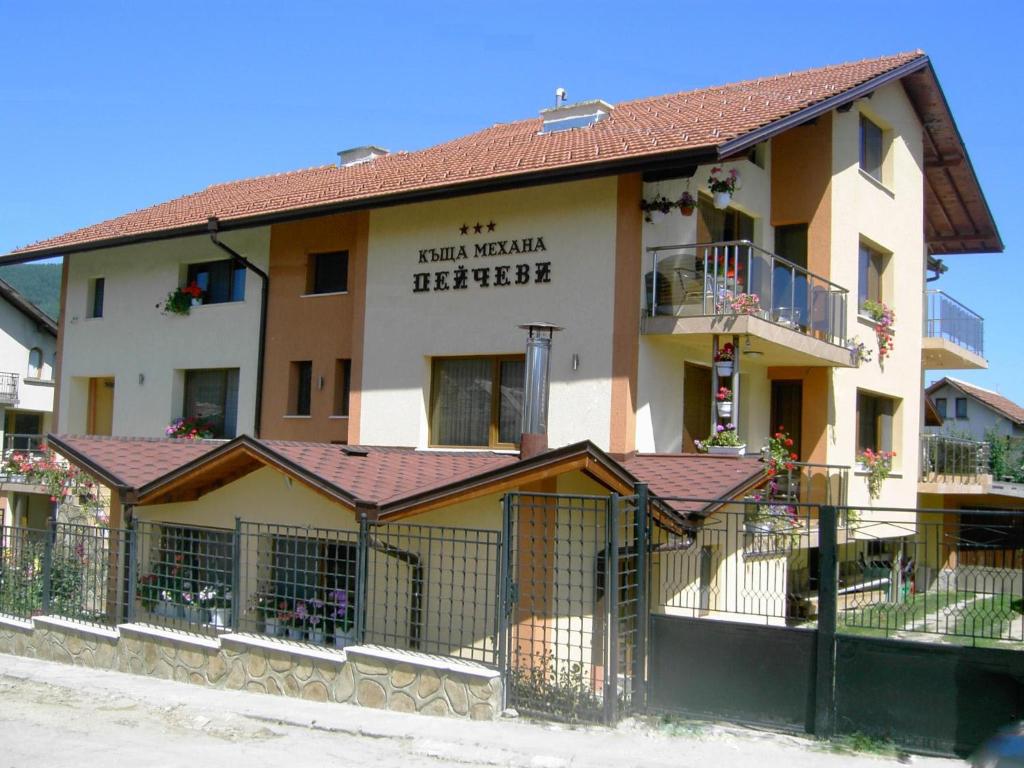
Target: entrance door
x=696 y=405
x=101 y=406
x=787 y=404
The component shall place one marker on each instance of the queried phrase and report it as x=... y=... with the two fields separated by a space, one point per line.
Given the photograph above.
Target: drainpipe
x=212 y=225
x=534 y=438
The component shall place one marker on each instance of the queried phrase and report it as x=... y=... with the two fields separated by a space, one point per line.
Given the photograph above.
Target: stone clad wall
x=365 y=675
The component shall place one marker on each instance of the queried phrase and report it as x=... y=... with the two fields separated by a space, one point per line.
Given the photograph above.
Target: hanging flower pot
x=722 y=200
x=724 y=368
x=724 y=410
x=722 y=184
x=686 y=204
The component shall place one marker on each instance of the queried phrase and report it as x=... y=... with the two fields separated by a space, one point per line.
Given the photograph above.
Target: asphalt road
x=53 y=715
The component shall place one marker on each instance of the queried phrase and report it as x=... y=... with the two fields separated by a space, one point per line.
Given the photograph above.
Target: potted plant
x=660 y=204
x=296 y=628
x=195 y=612
x=739 y=304
x=316 y=632
x=878 y=466
x=766 y=516
x=723 y=185
x=724 y=441
x=724 y=358
x=181 y=300
x=340 y=610
x=859 y=352
x=189 y=428
x=686 y=203
x=724 y=398
x=148 y=590
x=884 y=317
x=781 y=459
x=277 y=616
x=218 y=601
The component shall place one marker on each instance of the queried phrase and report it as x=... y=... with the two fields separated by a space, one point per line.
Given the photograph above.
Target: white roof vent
x=582 y=114
x=357 y=155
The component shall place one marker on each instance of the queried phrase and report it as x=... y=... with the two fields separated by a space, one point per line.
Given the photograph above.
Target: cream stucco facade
x=146 y=351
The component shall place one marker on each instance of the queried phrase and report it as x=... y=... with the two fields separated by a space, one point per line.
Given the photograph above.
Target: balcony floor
x=779 y=345
x=939 y=354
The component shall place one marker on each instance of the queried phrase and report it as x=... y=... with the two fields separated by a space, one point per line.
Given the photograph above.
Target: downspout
x=212 y=226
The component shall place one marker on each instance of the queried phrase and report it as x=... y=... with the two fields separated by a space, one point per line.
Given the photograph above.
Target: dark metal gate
x=574 y=599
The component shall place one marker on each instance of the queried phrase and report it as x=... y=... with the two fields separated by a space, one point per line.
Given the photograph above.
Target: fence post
x=639 y=697
x=362 y=550
x=611 y=613
x=824 y=689
x=236 y=573
x=504 y=609
x=51 y=533
x=133 y=571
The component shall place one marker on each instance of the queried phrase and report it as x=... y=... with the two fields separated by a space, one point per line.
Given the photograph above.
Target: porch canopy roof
x=387 y=482
x=665 y=135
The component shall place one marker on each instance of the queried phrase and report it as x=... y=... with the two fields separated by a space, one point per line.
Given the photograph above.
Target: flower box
x=727 y=450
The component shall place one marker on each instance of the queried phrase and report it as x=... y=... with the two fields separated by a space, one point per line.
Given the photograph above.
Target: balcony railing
x=952 y=459
x=737 y=277
x=949 y=319
x=28 y=443
x=807 y=483
x=8 y=388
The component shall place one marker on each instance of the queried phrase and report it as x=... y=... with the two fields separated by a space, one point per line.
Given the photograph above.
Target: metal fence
x=68 y=570
x=953 y=459
x=954 y=576
x=9 y=388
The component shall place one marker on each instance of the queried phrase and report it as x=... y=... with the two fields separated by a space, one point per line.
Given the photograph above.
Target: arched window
x=35 y=363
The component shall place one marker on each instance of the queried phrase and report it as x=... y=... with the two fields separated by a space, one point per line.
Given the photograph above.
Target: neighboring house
x=968 y=410
x=28 y=344
x=378 y=304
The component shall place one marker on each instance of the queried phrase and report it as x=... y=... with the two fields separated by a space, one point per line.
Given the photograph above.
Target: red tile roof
x=132 y=462
x=697 y=478
x=385 y=476
x=1001 y=405
x=701 y=119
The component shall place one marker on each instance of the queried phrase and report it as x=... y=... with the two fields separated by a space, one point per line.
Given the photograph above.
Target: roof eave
x=27 y=308
x=81 y=460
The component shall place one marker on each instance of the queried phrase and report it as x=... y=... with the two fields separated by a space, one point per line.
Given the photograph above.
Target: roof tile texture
x=691 y=120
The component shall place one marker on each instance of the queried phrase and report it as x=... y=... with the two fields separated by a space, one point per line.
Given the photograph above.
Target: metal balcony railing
x=28 y=443
x=952 y=459
x=810 y=483
x=948 y=319
x=8 y=388
x=737 y=277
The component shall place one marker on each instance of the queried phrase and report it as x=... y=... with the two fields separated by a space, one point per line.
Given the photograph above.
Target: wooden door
x=101 y=406
x=786 y=408
x=696 y=405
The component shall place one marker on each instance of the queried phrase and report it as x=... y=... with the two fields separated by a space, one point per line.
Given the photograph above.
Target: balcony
x=952 y=465
x=8 y=389
x=954 y=334
x=790 y=316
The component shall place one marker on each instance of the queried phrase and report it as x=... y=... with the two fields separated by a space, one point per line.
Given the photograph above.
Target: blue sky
x=106 y=107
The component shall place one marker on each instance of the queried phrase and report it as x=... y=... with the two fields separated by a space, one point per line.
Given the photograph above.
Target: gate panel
x=926 y=697
x=719 y=669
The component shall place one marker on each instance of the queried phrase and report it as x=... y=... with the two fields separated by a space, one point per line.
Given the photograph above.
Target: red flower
x=793 y=456
x=789 y=442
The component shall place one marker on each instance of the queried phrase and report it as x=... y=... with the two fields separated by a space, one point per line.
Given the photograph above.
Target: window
x=871 y=267
x=476 y=401
x=961 y=407
x=327 y=272
x=300 y=387
x=875 y=422
x=191 y=559
x=212 y=395
x=35 y=363
x=220 y=281
x=96 y=288
x=321 y=575
x=791 y=243
x=342 y=386
x=940 y=407
x=871 y=148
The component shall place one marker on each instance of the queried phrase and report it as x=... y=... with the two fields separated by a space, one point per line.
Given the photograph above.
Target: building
x=968 y=410
x=340 y=319
x=28 y=341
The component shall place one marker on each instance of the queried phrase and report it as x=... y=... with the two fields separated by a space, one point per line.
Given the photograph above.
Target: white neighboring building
x=28 y=351
x=969 y=410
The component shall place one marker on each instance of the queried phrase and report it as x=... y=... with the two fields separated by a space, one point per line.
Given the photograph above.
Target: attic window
x=583 y=114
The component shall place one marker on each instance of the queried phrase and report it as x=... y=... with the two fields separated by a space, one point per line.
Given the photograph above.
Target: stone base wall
x=369 y=676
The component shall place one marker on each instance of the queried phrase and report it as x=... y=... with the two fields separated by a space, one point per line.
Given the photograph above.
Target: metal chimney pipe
x=536 y=388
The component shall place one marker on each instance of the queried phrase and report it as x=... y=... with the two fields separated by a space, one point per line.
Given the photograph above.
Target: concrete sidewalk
x=57 y=715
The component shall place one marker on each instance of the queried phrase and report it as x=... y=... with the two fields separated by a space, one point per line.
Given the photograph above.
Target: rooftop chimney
x=357 y=155
x=536 y=388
